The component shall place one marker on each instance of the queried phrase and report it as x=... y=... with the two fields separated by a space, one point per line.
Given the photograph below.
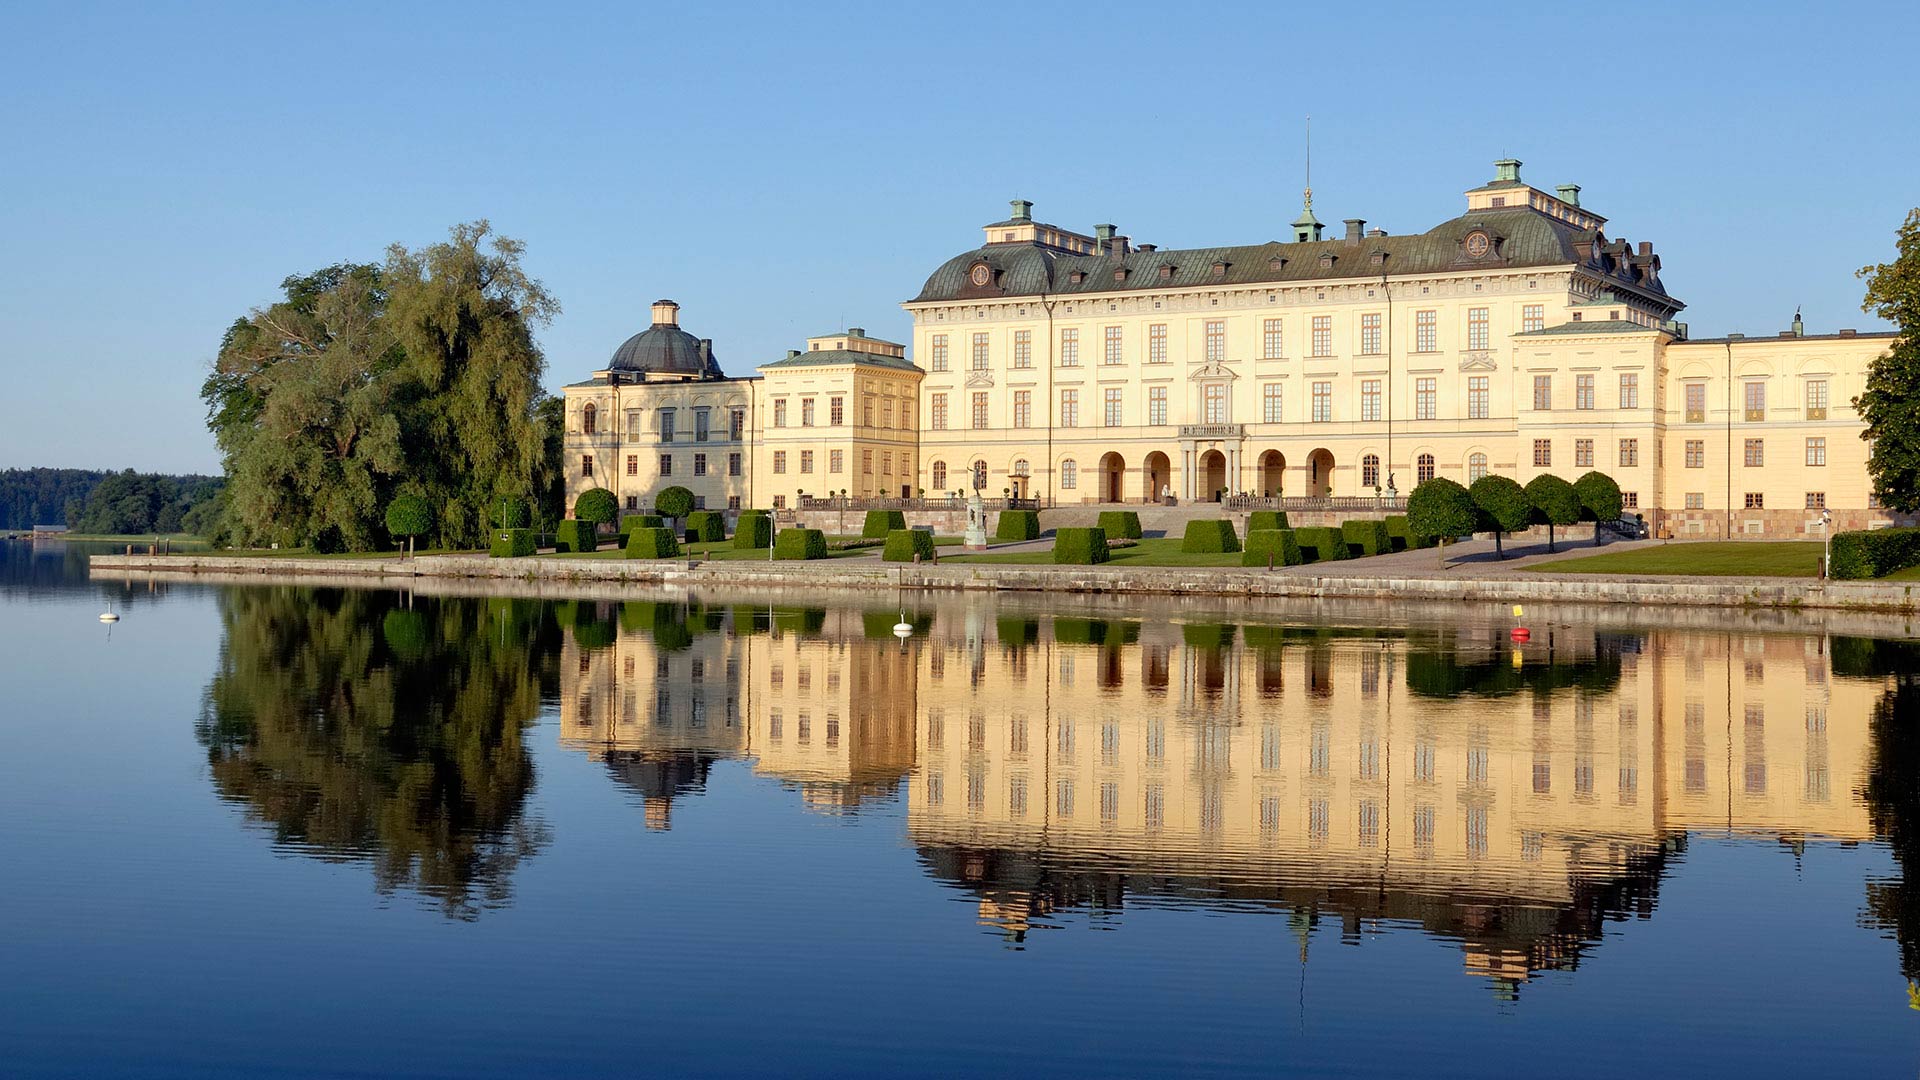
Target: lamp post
x=1826 y=537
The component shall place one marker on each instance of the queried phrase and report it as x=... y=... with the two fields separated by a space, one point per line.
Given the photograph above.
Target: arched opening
x=940 y=477
x=1159 y=477
x=1320 y=474
x=1476 y=466
x=1069 y=475
x=1369 y=472
x=1213 y=469
x=1423 y=468
x=979 y=476
x=589 y=419
x=1113 y=475
x=1021 y=479
x=1273 y=473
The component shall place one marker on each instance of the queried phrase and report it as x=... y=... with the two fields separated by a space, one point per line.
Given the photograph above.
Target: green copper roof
x=1593 y=326
x=833 y=357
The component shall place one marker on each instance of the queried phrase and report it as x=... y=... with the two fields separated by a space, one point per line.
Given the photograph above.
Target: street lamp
x=1826 y=536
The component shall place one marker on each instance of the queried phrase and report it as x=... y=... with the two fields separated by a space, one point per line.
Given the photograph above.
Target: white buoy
x=903 y=629
x=109 y=617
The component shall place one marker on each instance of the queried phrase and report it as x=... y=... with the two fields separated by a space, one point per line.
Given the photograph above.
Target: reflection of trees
x=1443 y=668
x=1892 y=794
x=361 y=728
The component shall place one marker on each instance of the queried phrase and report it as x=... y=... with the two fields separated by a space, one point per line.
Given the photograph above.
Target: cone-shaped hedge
x=1320 y=544
x=1400 y=531
x=1279 y=543
x=639 y=521
x=1080 y=547
x=1209 y=537
x=512 y=544
x=576 y=535
x=706 y=527
x=1121 y=524
x=1018 y=525
x=903 y=545
x=880 y=523
x=652 y=544
x=1267 y=519
x=754 y=530
x=1370 y=537
x=800 y=544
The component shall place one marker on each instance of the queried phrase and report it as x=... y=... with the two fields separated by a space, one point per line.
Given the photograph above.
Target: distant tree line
x=94 y=501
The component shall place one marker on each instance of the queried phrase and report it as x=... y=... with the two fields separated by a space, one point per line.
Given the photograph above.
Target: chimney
x=1849 y=332
x=1570 y=194
x=1149 y=247
x=706 y=352
x=856 y=331
x=1646 y=247
x=1022 y=209
x=1103 y=233
x=666 y=313
x=1356 y=228
x=1376 y=232
x=791 y=353
x=1736 y=337
x=1799 y=328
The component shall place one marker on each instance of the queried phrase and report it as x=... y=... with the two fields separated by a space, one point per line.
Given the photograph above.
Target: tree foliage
x=409 y=516
x=1600 y=500
x=1441 y=508
x=1502 y=505
x=596 y=505
x=673 y=502
x=1890 y=406
x=91 y=501
x=1554 y=503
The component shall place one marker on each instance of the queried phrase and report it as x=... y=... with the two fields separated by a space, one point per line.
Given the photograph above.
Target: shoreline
x=1778 y=593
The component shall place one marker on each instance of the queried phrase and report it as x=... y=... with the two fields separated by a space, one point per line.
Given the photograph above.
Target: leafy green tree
x=409 y=516
x=596 y=505
x=510 y=514
x=1554 y=503
x=1503 y=507
x=1442 y=509
x=1600 y=500
x=550 y=477
x=675 y=502
x=1890 y=406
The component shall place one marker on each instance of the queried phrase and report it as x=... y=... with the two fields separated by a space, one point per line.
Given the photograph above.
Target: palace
x=1069 y=368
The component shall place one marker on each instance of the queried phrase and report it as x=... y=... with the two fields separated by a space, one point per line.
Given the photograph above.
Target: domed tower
x=664 y=351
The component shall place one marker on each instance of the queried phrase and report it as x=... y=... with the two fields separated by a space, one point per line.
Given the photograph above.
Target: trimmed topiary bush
x=1440 y=508
x=1210 y=537
x=1018 y=525
x=639 y=521
x=596 y=505
x=1120 y=524
x=1319 y=544
x=409 y=516
x=798 y=544
x=882 y=523
x=904 y=545
x=706 y=527
x=1367 y=537
x=575 y=535
x=655 y=543
x=1267 y=519
x=754 y=530
x=512 y=544
x=1278 y=543
x=1861 y=555
x=1400 y=529
x=1080 y=547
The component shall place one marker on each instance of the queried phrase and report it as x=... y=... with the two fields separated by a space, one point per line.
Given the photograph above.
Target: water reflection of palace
x=1512 y=798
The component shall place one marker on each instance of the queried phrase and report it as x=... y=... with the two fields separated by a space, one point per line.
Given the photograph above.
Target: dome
x=665 y=349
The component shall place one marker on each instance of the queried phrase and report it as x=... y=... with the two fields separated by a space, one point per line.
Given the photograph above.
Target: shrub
x=1404 y=538
x=1080 y=547
x=673 y=502
x=1877 y=553
x=1502 y=507
x=1600 y=500
x=639 y=521
x=597 y=506
x=904 y=545
x=655 y=543
x=1554 y=503
x=409 y=516
x=1267 y=519
x=1321 y=544
x=1019 y=525
x=512 y=544
x=1278 y=543
x=1120 y=524
x=706 y=527
x=576 y=535
x=882 y=523
x=800 y=544
x=753 y=530
x=1210 y=536
x=1439 y=508
x=1370 y=537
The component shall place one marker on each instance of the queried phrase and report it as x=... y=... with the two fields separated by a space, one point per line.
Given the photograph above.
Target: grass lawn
x=721 y=551
x=1161 y=551
x=1702 y=558
x=1911 y=573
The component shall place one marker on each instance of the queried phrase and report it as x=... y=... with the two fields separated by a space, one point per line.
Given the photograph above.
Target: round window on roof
x=981 y=274
x=1477 y=244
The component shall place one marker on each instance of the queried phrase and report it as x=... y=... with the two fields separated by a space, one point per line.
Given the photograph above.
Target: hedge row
x=1016 y=525
x=1276 y=545
x=1210 y=537
x=1875 y=553
x=796 y=544
x=1080 y=547
x=908 y=545
x=1321 y=544
x=1120 y=524
x=652 y=544
x=576 y=535
x=881 y=523
x=1367 y=537
x=512 y=544
x=706 y=527
x=754 y=530
x=1403 y=535
x=639 y=521
x=1266 y=519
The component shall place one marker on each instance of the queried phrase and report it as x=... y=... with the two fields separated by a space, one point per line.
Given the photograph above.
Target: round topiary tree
x=1442 y=509
x=1503 y=507
x=409 y=516
x=1600 y=500
x=1554 y=503
x=597 y=506
x=675 y=502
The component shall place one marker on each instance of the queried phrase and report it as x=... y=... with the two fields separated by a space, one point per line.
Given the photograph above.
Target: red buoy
x=1521 y=633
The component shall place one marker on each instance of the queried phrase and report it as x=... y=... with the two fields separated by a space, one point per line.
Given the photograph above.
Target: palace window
x=1112 y=406
x=1370 y=400
x=1696 y=500
x=586 y=464
x=866 y=411
x=806 y=412
x=1816 y=500
x=1156 y=405
x=1696 y=456
x=979 y=476
x=666 y=419
x=1696 y=403
x=736 y=424
x=779 y=462
x=1322 y=402
x=1115 y=346
x=1542 y=453
x=1270 y=403
x=1817 y=451
x=1477 y=328
x=836 y=410
x=1020 y=467
x=1323 y=335
x=1756 y=398
x=779 y=420
x=979 y=410
x=1216 y=340
x=633 y=464
x=734 y=464
x=980 y=359
x=1370 y=334
x=836 y=461
x=1069 y=474
x=1270 y=340
x=1069 y=408
x=633 y=502
x=1426 y=397
x=1157 y=343
x=702 y=424
x=939 y=353
x=886 y=412
x=1583 y=453
x=1756 y=453
x=1370 y=471
x=1022 y=408
x=1479 y=397
x=1426 y=331
x=939 y=471
x=1423 y=468
x=939 y=418
x=1069 y=348
x=1817 y=399
x=1213 y=399
x=589 y=416
x=1629 y=391
x=1756 y=500
x=1543 y=392
x=806 y=463
x=1476 y=466
x=700 y=464
x=886 y=463
x=866 y=463
x=1629 y=453
x=1630 y=500
x=1583 y=391
x=1533 y=317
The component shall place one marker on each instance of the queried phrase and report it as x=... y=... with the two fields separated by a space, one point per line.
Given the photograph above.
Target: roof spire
x=1307 y=227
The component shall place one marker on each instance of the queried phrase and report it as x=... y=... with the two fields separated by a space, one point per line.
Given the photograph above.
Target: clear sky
x=786 y=169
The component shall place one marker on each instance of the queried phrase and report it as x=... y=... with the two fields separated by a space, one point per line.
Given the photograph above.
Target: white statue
x=976 y=537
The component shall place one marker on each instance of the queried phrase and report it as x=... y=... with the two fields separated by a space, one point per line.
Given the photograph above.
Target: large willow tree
x=419 y=376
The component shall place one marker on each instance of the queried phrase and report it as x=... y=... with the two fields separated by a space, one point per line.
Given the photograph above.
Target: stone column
x=1186 y=474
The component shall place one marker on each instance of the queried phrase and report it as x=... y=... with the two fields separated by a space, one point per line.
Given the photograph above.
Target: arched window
x=588 y=417
x=1069 y=475
x=1423 y=468
x=1020 y=467
x=1370 y=471
x=939 y=476
x=1476 y=467
x=979 y=476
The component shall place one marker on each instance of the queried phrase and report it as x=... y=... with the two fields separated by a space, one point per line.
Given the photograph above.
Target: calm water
x=275 y=830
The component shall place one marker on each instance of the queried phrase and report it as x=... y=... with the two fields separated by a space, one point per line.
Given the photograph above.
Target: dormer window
x=1077 y=276
x=1326 y=260
x=1120 y=273
x=1220 y=269
x=1378 y=258
x=1276 y=263
x=1166 y=271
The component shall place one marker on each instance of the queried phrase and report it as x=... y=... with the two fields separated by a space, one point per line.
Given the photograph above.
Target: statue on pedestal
x=976 y=537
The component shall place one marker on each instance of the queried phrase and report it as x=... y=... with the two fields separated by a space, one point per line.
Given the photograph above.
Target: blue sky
x=785 y=169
